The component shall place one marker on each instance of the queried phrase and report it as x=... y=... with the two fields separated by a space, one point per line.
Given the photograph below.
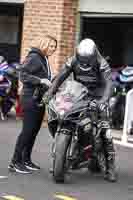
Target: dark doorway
x=114 y=37
x=11 y=19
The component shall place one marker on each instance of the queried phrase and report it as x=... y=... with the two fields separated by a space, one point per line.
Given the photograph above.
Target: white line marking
x=10 y=197
x=3 y=177
x=63 y=197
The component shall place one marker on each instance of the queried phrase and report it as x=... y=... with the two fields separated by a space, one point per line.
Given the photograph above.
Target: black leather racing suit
x=97 y=78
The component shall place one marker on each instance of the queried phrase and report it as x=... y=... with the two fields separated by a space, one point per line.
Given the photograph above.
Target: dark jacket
x=34 y=68
x=97 y=79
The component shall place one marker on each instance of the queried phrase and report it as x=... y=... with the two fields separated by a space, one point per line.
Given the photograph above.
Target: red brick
x=55 y=17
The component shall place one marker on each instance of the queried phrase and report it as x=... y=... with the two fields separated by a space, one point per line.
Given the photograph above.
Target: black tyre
x=101 y=162
x=94 y=166
x=59 y=163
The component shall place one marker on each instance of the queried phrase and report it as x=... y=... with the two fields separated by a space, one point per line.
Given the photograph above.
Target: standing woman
x=35 y=73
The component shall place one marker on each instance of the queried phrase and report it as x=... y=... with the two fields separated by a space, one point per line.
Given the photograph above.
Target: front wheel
x=101 y=161
x=59 y=163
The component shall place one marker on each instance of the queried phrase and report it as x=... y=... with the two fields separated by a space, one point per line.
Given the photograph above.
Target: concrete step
x=118 y=133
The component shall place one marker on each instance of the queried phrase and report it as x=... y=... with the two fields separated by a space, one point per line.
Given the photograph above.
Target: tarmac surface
x=80 y=185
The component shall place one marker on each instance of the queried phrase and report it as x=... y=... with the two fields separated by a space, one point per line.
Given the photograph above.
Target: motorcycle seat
x=126 y=79
x=128 y=71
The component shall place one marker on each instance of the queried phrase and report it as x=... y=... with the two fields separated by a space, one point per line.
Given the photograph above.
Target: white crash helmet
x=86 y=52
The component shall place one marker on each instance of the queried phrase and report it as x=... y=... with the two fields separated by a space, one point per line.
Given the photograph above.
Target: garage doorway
x=11 y=19
x=114 y=37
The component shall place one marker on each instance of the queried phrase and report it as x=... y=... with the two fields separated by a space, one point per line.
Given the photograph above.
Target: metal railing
x=126 y=139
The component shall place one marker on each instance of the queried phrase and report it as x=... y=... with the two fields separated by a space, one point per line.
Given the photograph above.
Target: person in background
x=18 y=106
x=35 y=76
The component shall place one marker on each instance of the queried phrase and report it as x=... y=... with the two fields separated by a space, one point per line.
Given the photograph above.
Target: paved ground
x=80 y=185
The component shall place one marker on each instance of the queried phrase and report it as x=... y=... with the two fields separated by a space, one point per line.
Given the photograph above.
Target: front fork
x=60 y=130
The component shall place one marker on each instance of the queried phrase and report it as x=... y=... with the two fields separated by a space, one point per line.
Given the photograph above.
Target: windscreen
x=71 y=95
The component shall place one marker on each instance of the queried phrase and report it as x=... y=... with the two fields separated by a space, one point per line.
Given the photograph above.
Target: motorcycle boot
x=110 y=174
x=94 y=165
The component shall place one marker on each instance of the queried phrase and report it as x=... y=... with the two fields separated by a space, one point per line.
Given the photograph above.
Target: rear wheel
x=94 y=166
x=60 y=157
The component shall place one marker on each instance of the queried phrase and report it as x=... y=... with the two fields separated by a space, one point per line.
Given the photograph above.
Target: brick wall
x=55 y=17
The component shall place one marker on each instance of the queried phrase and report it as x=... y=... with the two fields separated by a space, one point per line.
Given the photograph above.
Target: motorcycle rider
x=93 y=71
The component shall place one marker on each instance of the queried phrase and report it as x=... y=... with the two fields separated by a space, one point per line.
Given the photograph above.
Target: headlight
x=75 y=115
x=88 y=127
x=62 y=112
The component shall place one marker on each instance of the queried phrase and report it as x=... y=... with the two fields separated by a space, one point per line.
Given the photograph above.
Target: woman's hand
x=20 y=87
x=46 y=82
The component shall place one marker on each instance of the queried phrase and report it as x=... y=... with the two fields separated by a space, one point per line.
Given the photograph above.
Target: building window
x=9 y=29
